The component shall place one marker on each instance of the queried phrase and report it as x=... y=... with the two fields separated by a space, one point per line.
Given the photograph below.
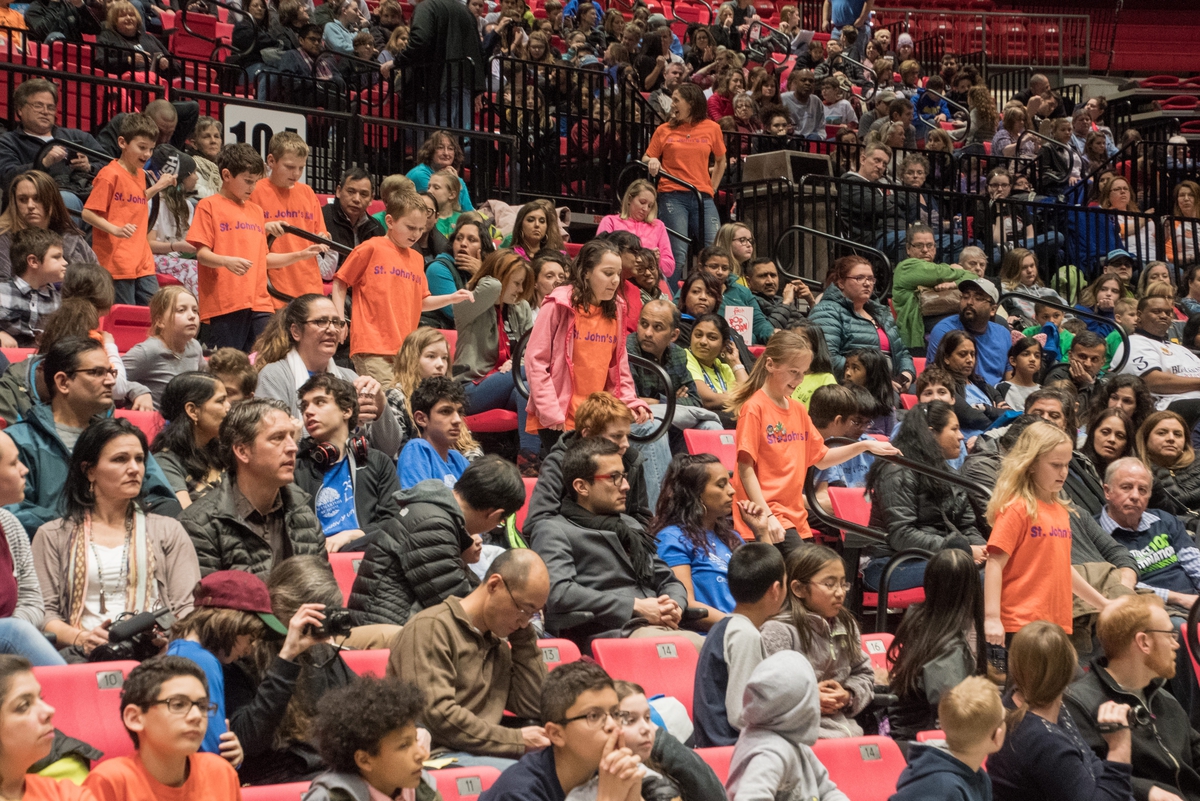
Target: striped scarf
x=141 y=588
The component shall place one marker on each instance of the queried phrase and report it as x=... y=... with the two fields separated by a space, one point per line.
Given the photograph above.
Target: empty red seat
x=718 y=759
x=719 y=443
x=864 y=768
x=276 y=792
x=664 y=665
x=149 y=422
x=557 y=652
x=530 y=483
x=933 y=734
x=372 y=662
x=460 y=784
x=909 y=401
x=87 y=700
x=15 y=355
x=919 y=364
x=129 y=325
x=345 y=568
x=1159 y=82
x=1179 y=103
x=876 y=646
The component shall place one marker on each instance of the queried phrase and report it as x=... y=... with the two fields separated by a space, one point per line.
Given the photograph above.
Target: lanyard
x=716 y=374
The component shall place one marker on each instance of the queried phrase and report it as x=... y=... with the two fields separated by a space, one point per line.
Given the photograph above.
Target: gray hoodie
x=334 y=786
x=781 y=717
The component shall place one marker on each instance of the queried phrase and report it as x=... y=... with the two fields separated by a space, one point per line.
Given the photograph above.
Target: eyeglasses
x=516 y=603
x=833 y=585
x=616 y=477
x=336 y=323
x=1172 y=633
x=42 y=107
x=922 y=245
x=745 y=240
x=595 y=717
x=862 y=279
x=96 y=372
x=181 y=705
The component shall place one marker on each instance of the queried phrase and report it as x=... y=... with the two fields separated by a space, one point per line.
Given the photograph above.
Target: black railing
x=692 y=245
x=838 y=242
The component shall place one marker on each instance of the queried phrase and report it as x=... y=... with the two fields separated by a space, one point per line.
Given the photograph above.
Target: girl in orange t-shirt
x=1028 y=575
x=776 y=441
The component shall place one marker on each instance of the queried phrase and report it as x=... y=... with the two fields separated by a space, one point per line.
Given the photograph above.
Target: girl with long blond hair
x=777 y=442
x=1029 y=575
x=639 y=216
x=172 y=347
x=424 y=353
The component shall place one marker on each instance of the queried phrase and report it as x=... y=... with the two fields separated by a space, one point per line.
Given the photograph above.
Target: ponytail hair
x=275 y=342
x=1041 y=664
x=782 y=346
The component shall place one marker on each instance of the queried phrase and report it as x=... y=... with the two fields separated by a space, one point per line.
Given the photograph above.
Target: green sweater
x=909 y=275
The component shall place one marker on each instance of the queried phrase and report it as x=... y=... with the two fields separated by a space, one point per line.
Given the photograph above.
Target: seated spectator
x=1100 y=297
x=174 y=209
x=837 y=109
x=1110 y=436
x=1140 y=644
x=79 y=380
x=656 y=339
x=869 y=211
x=300 y=341
x=165 y=706
x=773 y=757
x=805 y=109
x=816 y=623
x=300 y=78
x=339 y=31
x=992 y=340
x=626 y=586
x=426 y=558
x=252 y=35
x=440 y=151
x=578 y=705
x=232 y=368
x=720 y=263
x=232 y=612
x=31 y=295
x=899 y=115
x=346 y=217
x=782 y=310
x=698 y=295
x=437 y=410
x=867 y=369
x=1041 y=664
x=367 y=734
x=639 y=216
x=841 y=411
x=982 y=464
x=914 y=274
x=850 y=318
x=1019 y=273
x=939 y=643
x=469 y=246
x=351 y=484
x=256 y=517
x=156 y=568
x=34 y=202
x=1182 y=235
x=124 y=46
x=1085 y=360
x=35 y=102
x=1025 y=360
x=673 y=74
x=1171 y=371
x=459 y=652
x=714 y=363
x=820 y=372
x=172 y=347
x=734 y=645
x=920 y=511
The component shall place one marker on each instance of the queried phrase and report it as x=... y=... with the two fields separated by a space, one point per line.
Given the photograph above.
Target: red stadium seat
x=165 y=280
x=530 y=483
x=345 y=568
x=718 y=443
x=851 y=504
x=1179 y=103
x=372 y=662
x=1159 y=82
x=451 y=336
x=919 y=364
x=461 y=784
x=129 y=325
x=496 y=421
x=276 y=792
x=87 y=700
x=909 y=401
x=15 y=355
x=756 y=350
x=664 y=665
x=149 y=422
x=864 y=768
x=718 y=759
x=933 y=734
x=572 y=249
x=558 y=652
x=876 y=646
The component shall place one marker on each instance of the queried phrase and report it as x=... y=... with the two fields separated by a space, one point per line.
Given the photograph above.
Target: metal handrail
x=664 y=174
x=804 y=229
x=345 y=250
x=959 y=107
x=874 y=83
x=885 y=581
x=217 y=43
x=1064 y=308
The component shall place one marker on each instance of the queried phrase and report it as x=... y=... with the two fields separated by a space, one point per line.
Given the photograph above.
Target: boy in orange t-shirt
x=390 y=291
x=119 y=212
x=165 y=707
x=233 y=288
x=284 y=199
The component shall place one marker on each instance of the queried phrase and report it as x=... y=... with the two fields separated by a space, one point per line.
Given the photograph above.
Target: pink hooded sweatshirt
x=653 y=236
x=548 y=365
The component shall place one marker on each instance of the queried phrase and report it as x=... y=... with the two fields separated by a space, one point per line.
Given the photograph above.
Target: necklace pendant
x=103 y=605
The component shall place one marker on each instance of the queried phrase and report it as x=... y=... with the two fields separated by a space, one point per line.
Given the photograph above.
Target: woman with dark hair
x=1110 y=436
x=535 y=230
x=251 y=36
x=193 y=404
x=1127 y=393
x=939 y=642
x=920 y=511
x=691 y=147
x=449 y=272
x=34 y=202
x=975 y=401
x=695 y=531
x=106 y=556
x=1165 y=446
x=700 y=295
x=714 y=363
x=300 y=341
x=439 y=152
x=1189 y=290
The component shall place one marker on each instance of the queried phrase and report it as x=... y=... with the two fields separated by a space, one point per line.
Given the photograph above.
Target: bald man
x=175 y=122
x=456 y=653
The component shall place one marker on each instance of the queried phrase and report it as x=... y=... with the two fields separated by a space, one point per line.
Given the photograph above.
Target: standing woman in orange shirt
x=691 y=147
x=777 y=442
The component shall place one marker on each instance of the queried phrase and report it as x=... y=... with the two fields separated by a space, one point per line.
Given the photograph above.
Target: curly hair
x=358 y=716
x=681 y=503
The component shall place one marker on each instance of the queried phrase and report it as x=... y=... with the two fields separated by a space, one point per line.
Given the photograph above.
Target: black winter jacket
x=444 y=34
x=223 y=542
x=45 y=17
x=419 y=566
x=1084 y=487
x=778 y=314
x=18 y=150
x=684 y=772
x=342 y=231
x=1177 y=491
x=375 y=485
x=928 y=520
x=1166 y=753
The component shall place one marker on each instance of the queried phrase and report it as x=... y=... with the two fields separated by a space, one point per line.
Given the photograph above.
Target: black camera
x=338 y=623
x=1139 y=718
x=133 y=637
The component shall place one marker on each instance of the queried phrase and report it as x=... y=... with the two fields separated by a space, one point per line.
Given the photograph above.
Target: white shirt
x=1147 y=355
x=110 y=572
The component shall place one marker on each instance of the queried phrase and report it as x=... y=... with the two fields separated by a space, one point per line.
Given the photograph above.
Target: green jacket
x=910 y=274
x=738 y=295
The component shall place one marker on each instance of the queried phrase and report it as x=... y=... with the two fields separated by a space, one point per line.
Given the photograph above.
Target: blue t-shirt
x=991 y=347
x=852 y=472
x=420 y=462
x=216 y=688
x=709 y=570
x=845 y=12
x=335 y=500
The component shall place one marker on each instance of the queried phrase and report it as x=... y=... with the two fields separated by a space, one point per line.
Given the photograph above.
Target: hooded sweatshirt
x=934 y=773
x=781 y=716
x=334 y=786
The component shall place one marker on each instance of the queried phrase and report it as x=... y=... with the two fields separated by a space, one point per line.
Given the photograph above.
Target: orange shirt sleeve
x=354 y=265
x=203 y=232
x=655 y=149
x=747 y=439
x=1010 y=528
x=103 y=186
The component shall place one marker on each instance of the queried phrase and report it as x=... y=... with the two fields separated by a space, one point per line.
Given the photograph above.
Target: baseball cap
x=237 y=589
x=1118 y=253
x=184 y=164
x=983 y=285
x=656 y=20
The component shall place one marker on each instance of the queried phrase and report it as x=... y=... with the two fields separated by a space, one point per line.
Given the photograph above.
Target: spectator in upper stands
x=1012 y=125
x=1171 y=372
x=803 y=106
x=1019 y=273
x=1095 y=153
x=1110 y=436
x=1182 y=236
x=299 y=342
x=673 y=75
x=35 y=102
x=439 y=152
x=899 y=111
x=1085 y=361
x=869 y=211
x=34 y=202
x=171 y=348
x=103 y=493
x=1140 y=650
x=459 y=652
x=837 y=109
x=59 y=20
x=919 y=511
x=535 y=229
x=979 y=303
x=317 y=81
x=256 y=517
x=233 y=369
x=437 y=409
x=915 y=273
x=1163 y=443
x=187 y=447
x=252 y=35
x=339 y=32
x=850 y=318
x=124 y=46
x=292 y=18
x=1099 y=297
x=31 y=295
x=780 y=310
x=1096 y=107
x=1059 y=166
x=444 y=36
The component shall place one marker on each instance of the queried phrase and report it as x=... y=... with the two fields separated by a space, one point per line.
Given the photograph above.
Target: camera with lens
x=1139 y=718
x=338 y=623
x=137 y=637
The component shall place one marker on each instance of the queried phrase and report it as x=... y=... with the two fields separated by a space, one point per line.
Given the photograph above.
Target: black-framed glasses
x=595 y=717
x=95 y=372
x=516 y=603
x=1172 y=633
x=181 y=705
x=336 y=323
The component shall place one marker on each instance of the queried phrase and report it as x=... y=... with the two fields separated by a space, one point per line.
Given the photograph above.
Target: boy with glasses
x=165 y=708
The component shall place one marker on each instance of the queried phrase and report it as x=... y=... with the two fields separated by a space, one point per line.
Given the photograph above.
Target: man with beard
x=992 y=340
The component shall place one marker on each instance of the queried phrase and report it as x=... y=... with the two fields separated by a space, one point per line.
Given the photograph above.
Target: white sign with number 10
x=256 y=126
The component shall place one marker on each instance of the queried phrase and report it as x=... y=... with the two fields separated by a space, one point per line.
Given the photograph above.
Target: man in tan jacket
x=456 y=652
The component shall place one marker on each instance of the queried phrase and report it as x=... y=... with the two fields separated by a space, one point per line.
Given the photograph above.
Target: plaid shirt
x=22 y=310
x=675 y=365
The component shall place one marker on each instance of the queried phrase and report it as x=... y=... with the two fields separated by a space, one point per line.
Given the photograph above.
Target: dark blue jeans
x=909 y=575
x=497 y=391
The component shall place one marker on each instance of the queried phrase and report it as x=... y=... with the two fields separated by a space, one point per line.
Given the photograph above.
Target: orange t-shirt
x=591 y=355
x=1037 y=578
x=389 y=285
x=120 y=198
x=685 y=152
x=230 y=229
x=783 y=443
x=210 y=778
x=43 y=788
x=298 y=207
